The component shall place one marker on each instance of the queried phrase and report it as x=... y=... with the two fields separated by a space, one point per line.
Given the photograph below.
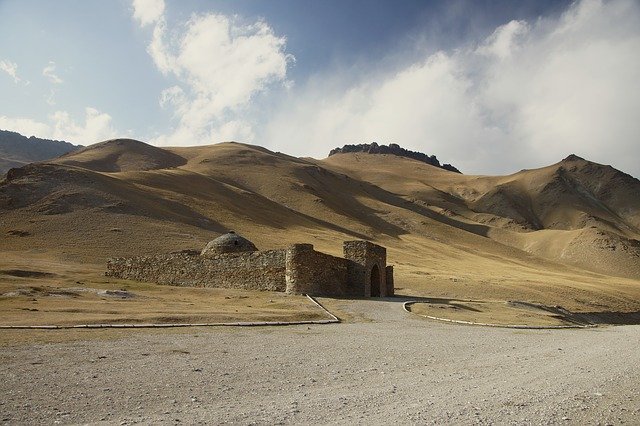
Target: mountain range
x=566 y=234
x=17 y=150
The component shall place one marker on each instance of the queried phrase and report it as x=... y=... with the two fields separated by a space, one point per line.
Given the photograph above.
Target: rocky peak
x=393 y=149
x=573 y=157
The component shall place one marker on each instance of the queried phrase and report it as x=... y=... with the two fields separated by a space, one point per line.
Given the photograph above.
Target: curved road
x=382 y=366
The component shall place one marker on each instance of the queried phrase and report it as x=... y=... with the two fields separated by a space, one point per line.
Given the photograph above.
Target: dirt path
x=387 y=367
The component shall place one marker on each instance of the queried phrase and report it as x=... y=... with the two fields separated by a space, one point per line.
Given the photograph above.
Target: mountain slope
x=589 y=212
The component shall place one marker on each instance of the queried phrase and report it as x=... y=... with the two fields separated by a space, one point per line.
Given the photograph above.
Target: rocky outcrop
x=394 y=149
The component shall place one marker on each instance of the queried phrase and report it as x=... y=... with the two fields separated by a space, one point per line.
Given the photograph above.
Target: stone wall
x=315 y=273
x=297 y=270
x=261 y=270
x=390 y=284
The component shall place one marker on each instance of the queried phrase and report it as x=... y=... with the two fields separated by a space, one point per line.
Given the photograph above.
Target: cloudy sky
x=489 y=86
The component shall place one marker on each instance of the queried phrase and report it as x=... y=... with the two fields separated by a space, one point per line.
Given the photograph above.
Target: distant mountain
x=394 y=149
x=17 y=150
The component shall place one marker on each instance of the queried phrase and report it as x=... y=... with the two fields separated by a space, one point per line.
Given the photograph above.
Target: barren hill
x=565 y=234
x=120 y=155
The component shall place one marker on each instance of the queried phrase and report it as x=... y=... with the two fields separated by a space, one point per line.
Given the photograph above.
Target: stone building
x=231 y=261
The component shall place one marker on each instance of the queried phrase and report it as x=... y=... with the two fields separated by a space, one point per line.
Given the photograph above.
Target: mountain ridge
x=17 y=150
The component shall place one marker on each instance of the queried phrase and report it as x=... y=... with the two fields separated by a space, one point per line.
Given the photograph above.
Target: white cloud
x=25 y=126
x=96 y=127
x=50 y=99
x=49 y=72
x=504 y=39
x=159 y=52
x=527 y=95
x=221 y=64
x=11 y=69
x=234 y=130
x=61 y=126
x=175 y=97
x=148 y=11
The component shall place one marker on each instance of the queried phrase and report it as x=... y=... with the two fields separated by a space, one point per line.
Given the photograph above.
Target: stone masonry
x=231 y=261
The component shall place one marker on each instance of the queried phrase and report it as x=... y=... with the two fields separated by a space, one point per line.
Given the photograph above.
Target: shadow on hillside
x=326 y=182
x=53 y=189
x=397 y=201
x=278 y=211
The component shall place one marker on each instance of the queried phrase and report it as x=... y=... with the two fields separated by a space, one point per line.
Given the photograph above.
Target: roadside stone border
x=406 y=305
x=333 y=320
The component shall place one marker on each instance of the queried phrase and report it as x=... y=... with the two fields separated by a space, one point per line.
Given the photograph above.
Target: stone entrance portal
x=368 y=274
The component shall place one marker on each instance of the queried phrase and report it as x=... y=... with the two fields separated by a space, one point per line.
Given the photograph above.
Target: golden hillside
x=566 y=234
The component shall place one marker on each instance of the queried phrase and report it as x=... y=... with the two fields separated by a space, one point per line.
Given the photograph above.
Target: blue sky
x=489 y=86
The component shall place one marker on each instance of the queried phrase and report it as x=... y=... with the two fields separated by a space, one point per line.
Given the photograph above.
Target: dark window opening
x=375 y=281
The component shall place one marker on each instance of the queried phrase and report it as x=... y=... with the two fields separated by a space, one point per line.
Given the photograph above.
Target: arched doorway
x=375 y=281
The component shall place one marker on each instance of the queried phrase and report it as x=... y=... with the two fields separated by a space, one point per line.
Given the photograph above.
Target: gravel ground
x=389 y=366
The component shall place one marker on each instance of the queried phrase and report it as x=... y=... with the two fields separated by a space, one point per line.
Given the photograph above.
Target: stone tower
x=369 y=275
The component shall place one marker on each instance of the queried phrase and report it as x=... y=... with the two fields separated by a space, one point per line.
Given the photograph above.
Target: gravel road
x=386 y=367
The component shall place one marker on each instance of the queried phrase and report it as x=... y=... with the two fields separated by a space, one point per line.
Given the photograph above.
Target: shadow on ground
x=577 y=318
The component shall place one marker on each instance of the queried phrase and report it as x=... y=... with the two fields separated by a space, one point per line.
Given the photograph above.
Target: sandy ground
x=382 y=366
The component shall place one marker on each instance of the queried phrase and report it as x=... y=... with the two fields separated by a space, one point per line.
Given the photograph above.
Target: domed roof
x=228 y=243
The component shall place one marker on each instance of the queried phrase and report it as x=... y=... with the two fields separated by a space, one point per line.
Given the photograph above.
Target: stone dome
x=228 y=243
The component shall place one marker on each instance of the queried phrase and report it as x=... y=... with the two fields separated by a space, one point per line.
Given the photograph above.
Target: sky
x=491 y=87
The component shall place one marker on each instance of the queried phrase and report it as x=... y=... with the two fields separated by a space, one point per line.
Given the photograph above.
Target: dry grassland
x=565 y=235
x=490 y=312
x=38 y=290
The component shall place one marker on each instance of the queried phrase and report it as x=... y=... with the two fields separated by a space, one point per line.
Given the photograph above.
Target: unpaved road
x=393 y=368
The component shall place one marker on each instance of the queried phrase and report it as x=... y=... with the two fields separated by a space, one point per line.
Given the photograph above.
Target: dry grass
x=21 y=337
x=489 y=312
x=38 y=290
